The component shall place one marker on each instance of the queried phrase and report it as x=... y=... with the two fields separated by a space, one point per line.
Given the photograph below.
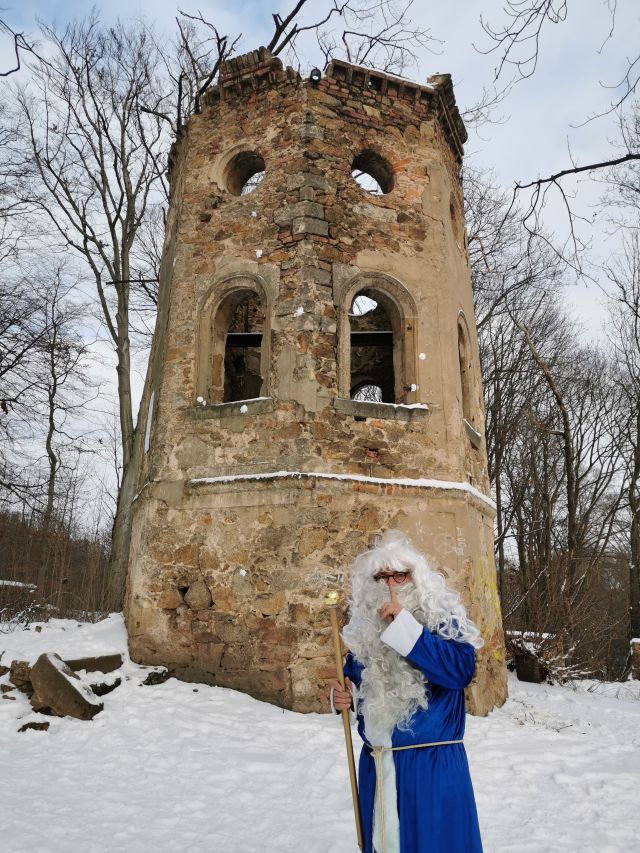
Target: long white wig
x=392 y=689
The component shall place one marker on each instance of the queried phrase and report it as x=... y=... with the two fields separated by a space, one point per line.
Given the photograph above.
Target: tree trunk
x=123 y=519
x=569 y=462
x=121 y=537
x=53 y=461
x=51 y=491
x=634 y=506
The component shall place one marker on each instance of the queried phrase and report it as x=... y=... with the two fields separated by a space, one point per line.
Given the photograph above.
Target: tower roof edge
x=438 y=84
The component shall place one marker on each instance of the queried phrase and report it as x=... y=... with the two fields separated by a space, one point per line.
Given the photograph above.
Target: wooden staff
x=331 y=600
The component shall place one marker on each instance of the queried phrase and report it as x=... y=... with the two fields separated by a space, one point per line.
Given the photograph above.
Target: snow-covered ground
x=197 y=769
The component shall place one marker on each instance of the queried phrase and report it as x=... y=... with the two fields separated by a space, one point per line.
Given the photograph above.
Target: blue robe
x=436 y=806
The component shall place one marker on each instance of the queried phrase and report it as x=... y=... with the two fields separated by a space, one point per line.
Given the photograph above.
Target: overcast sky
x=541 y=117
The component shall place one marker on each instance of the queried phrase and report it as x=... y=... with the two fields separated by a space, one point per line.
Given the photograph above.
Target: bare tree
x=508 y=263
x=511 y=271
x=517 y=43
x=625 y=342
x=20 y=46
x=622 y=200
x=571 y=468
x=23 y=331
x=66 y=390
x=379 y=34
x=97 y=161
x=552 y=431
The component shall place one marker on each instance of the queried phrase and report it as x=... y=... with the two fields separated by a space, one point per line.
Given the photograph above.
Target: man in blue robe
x=411 y=656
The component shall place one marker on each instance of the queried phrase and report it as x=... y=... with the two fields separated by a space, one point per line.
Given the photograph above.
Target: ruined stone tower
x=315 y=377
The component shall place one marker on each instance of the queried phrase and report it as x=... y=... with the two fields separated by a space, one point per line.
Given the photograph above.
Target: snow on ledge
x=18 y=584
x=398 y=405
x=419 y=483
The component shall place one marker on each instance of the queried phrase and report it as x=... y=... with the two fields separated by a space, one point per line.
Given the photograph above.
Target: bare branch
x=19 y=44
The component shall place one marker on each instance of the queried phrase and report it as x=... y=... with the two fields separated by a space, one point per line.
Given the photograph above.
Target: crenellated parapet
x=251 y=72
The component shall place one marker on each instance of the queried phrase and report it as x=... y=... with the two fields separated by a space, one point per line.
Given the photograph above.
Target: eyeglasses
x=399 y=577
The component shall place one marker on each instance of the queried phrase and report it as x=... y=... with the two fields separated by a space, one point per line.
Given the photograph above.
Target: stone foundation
x=232 y=591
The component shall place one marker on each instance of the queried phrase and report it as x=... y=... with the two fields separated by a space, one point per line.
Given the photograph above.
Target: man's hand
x=390 y=610
x=342 y=697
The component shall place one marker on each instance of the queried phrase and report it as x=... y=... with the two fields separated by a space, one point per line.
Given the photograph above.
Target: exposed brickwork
x=305 y=241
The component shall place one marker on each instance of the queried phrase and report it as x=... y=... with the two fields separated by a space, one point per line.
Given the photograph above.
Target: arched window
x=243 y=344
x=233 y=351
x=377 y=355
x=372 y=173
x=372 y=351
x=464 y=362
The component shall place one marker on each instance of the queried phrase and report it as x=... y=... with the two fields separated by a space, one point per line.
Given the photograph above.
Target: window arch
x=372 y=319
x=233 y=355
x=239 y=169
x=377 y=341
x=465 y=366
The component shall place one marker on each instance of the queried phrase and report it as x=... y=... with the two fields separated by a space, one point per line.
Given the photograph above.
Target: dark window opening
x=373 y=173
x=372 y=350
x=244 y=173
x=243 y=349
x=455 y=219
x=464 y=361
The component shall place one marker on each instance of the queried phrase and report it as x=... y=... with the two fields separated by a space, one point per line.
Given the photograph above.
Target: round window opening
x=372 y=173
x=244 y=173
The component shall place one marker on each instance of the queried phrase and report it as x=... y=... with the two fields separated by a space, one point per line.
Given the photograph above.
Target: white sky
x=541 y=115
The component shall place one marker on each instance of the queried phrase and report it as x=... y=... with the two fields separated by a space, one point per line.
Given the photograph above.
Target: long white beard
x=392 y=689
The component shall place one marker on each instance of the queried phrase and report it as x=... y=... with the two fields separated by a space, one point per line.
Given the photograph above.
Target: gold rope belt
x=377 y=753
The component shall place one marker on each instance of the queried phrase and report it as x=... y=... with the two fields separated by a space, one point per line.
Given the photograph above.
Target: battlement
x=259 y=70
x=248 y=73
x=248 y=64
x=382 y=85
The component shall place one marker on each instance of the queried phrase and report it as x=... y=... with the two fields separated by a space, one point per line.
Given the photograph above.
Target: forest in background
x=87 y=116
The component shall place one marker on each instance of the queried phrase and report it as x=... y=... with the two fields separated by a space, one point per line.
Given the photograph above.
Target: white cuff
x=334 y=710
x=402 y=634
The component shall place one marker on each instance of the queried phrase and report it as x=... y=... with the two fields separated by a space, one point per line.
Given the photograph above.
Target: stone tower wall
x=247 y=511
